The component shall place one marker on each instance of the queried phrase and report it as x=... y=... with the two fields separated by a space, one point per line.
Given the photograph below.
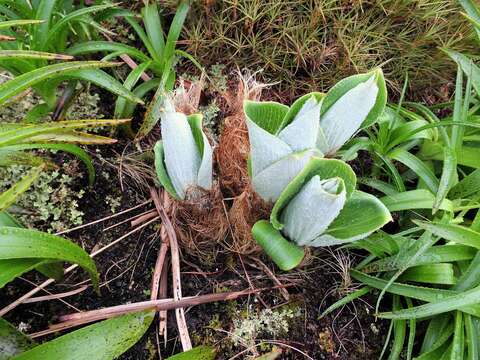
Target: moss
x=313 y=44
x=52 y=202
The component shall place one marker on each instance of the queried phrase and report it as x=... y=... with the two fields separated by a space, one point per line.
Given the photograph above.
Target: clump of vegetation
x=309 y=45
x=52 y=201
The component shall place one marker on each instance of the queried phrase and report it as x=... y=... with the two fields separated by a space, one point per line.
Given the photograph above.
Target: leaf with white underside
x=301 y=133
x=361 y=215
x=265 y=148
x=312 y=210
x=270 y=183
x=182 y=157
x=347 y=114
x=325 y=169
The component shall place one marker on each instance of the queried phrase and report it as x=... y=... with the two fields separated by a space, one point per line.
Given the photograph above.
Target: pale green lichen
x=51 y=203
x=272 y=323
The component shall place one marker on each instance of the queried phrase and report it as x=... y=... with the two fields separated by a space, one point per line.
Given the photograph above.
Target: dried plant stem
x=73 y=320
x=104 y=219
x=176 y=278
x=43 y=285
x=272 y=276
x=162 y=294
x=56 y=296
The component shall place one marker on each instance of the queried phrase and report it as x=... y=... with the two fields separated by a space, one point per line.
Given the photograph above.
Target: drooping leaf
x=105 y=340
x=452 y=232
x=18 y=243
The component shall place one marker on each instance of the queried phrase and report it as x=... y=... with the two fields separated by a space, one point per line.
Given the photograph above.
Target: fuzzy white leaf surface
x=301 y=133
x=270 y=183
x=346 y=115
x=182 y=157
x=313 y=209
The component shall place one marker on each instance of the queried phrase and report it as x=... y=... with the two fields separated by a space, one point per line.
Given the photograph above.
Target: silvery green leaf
x=265 y=148
x=347 y=114
x=205 y=171
x=361 y=215
x=301 y=133
x=270 y=183
x=182 y=157
x=313 y=209
x=322 y=143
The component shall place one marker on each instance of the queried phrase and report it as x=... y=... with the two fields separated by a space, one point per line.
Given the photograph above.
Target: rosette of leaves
x=319 y=207
x=183 y=158
x=283 y=139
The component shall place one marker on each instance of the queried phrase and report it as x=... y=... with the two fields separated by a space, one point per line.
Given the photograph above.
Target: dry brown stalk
x=56 y=296
x=77 y=319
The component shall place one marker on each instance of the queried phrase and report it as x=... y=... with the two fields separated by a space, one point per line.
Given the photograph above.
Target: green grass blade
x=439 y=273
x=78 y=152
x=455 y=302
x=435 y=254
x=346 y=299
x=74 y=15
x=471 y=335
x=129 y=83
x=417 y=166
x=23 y=82
x=468 y=186
x=449 y=175
x=452 y=232
x=153 y=112
x=174 y=33
x=414 y=199
x=153 y=25
x=458 y=344
x=44 y=12
x=28 y=54
x=399 y=332
x=12 y=23
x=90 y=47
x=9 y=196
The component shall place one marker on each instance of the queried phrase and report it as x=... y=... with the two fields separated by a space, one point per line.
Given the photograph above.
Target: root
x=246 y=210
x=201 y=224
x=233 y=149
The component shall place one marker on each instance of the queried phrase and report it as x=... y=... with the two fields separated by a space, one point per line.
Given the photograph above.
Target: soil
x=126 y=269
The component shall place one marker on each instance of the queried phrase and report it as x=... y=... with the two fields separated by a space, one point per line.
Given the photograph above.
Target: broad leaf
x=362 y=215
x=313 y=209
x=105 y=340
x=272 y=181
x=325 y=169
x=17 y=243
x=268 y=115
